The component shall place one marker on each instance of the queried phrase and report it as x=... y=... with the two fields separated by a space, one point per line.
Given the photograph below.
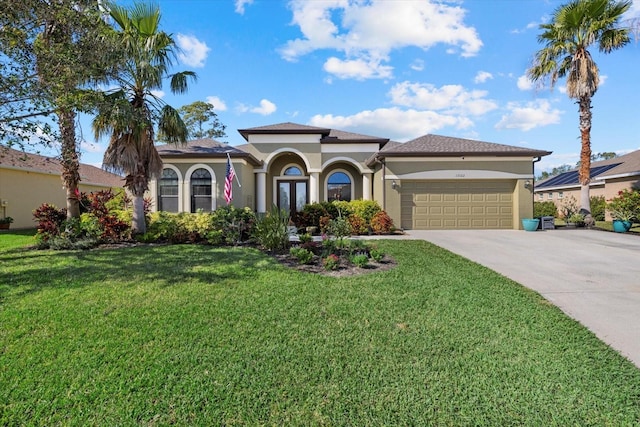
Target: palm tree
x=129 y=113
x=574 y=28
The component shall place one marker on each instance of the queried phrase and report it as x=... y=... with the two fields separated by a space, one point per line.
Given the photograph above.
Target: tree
x=49 y=52
x=129 y=113
x=573 y=29
x=202 y=121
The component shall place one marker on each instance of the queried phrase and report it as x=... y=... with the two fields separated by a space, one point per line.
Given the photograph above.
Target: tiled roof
x=328 y=135
x=434 y=145
x=283 y=128
x=15 y=159
x=621 y=166
x=204 y=148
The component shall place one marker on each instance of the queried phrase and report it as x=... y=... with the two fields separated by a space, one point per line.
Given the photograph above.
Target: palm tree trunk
x=585 y=152
x=70 y=162
x=137 y=185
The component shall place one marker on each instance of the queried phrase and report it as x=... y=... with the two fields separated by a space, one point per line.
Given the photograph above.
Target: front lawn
x=199 y=335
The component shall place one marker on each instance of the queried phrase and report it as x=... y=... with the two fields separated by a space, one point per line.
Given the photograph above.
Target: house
x=29 y=180
x=431 y=182
x=607 y=178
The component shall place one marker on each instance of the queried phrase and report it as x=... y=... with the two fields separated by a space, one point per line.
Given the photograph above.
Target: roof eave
x=246 y=132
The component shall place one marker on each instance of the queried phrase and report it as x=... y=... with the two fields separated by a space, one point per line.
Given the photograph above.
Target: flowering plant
x=625 y=206
x=331 y=262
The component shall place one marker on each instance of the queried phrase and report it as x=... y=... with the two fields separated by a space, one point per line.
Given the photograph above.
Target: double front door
x=293 y=195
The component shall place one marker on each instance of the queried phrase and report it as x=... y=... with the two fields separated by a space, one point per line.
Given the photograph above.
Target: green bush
x=366 y=209
x=360 y=260
x=547 y=208
x=598 y=207
x=626 y=205
x=376 y=254
x=236 y=224
x=271 y=230
x=303 y=256
x=163 y=226
x=339 y=228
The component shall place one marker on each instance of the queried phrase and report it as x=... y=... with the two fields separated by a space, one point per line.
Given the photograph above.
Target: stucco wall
x=24 y=191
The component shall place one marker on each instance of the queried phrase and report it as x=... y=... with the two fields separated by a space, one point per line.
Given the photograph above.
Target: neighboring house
x=432 y=182
x=608 y=177
x=29 y=180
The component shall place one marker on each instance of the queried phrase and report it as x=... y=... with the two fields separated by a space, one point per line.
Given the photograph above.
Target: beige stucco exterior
x=319 y=154
x=22 y=191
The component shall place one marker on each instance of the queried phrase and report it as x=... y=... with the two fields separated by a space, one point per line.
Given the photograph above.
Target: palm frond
x=179 y=81
x=172 y=127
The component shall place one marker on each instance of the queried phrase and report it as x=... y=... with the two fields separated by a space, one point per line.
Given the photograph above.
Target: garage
x=457 y=204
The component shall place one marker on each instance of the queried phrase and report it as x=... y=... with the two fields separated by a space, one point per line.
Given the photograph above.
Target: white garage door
x=457 y=204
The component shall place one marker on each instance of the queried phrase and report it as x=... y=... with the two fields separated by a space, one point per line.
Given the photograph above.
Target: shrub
x=547 y=208
x=626 y=205
x=381 y=223
x=376 y=254
x=568 y=207
x=306 y=237
x=236 y=224
x=50 y=221
x=366 y=209
x=163 y=226
x=339 y=227
x=304 y=256
x=331 y=262
x=360 y=260
x=598 y=207
x=358 y=224
x=271 y=230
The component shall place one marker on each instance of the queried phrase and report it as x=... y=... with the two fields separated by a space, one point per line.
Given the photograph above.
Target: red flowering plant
x=625 y=206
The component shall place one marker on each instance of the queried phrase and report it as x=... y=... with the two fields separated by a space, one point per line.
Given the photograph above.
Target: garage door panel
x=457 y=204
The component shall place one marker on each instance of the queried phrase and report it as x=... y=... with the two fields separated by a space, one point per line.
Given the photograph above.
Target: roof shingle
x=15 y=159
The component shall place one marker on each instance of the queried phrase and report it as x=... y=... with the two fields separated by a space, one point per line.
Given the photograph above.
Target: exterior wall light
x=527 y=184
x=394 y=184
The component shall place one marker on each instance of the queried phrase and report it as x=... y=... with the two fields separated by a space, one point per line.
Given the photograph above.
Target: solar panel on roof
x=571 y=177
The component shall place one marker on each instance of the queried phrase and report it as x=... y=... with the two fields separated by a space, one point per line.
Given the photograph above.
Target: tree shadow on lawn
x=162 y=265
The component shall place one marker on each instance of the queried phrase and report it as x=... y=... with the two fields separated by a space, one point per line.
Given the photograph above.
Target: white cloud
x=158 y=93
x=266 y=107
x=453 y=99
x=357 y=69
x=529 y=116
x=369 y=31
x=417 y=65
x=240 y=4
x=524 y=83
x=218 y=103
x=91 y=147
x=393 y=122
x=482 y=77
x=194 y=52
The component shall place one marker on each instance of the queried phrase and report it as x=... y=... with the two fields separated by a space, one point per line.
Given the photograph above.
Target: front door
x=292 y=195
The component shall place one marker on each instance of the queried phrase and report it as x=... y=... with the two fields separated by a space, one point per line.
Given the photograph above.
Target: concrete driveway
x=593 y=276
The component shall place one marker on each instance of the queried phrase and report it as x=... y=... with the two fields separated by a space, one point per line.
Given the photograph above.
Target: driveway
x=593 y=276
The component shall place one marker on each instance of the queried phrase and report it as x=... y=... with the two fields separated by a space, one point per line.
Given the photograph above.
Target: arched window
x=339 y=187
x=293 y=171
x=168 y=191
x=201 y=190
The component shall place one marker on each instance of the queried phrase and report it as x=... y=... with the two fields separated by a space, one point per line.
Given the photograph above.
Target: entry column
x=314 y=189
x=261 y=192
x=366 y=186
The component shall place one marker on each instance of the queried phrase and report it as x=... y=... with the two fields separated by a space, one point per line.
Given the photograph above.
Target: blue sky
x=393 y=68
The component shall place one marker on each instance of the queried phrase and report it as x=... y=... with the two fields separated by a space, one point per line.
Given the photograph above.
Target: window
x=550 y=196
x=292 y=171
x=201 y=190
x=339 y=187
x=168 y=191
x=560 y=194
x=540 y=196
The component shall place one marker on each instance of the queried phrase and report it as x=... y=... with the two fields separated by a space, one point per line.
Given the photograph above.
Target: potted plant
x=624 y=209
x=576 y=220
x=530 y=224
x=4 y=222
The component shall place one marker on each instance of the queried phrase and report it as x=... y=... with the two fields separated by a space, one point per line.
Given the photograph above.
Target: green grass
x=196 y=335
